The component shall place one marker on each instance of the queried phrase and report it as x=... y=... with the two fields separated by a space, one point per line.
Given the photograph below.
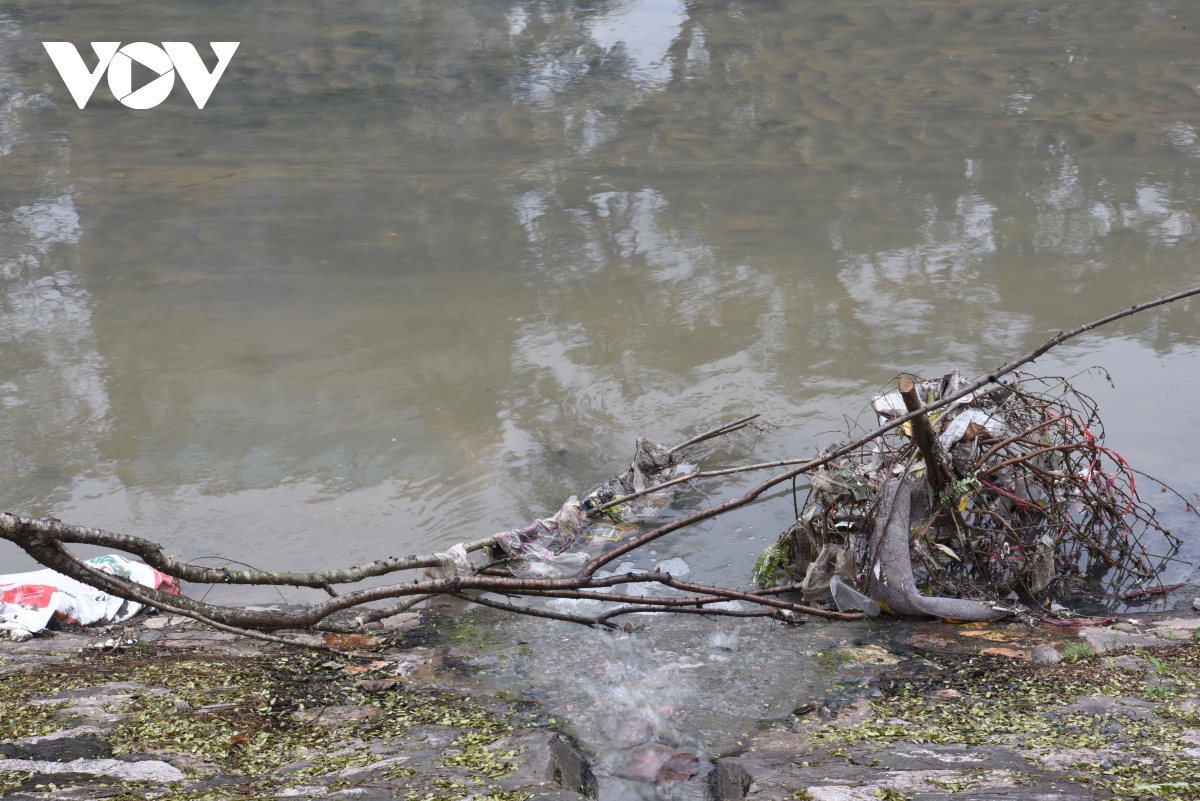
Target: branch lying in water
x=152 y=554
x=45 y=540
x=38 y=539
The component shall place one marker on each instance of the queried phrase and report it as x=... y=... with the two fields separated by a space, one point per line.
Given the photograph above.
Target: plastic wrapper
x=971 y=421
x=849 y=599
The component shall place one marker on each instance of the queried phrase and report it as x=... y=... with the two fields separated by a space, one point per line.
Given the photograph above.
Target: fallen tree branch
x=152 y=554
x=45 y=540
x=116 y=585
x=52 y=553
x=604 y=507
x=682 y=610
x=532 y=612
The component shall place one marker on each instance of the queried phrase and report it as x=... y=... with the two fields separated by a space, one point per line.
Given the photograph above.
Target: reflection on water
x=420 y=270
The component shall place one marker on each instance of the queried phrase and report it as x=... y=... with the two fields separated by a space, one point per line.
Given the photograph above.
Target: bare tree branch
x=679 y=610
x=152 y=554
x=728 y=428
x=45 y=541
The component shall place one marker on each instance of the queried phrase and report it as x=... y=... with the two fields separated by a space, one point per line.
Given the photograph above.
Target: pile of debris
x=1005 y=498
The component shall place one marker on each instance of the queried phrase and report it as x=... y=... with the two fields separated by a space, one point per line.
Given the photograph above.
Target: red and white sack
x=28 y=601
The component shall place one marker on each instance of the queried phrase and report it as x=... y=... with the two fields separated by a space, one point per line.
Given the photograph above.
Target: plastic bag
x=849 y=599
x=832 y=560
x=957 y=428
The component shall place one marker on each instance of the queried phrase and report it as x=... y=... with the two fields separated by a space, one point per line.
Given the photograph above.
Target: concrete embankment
x=163 y=708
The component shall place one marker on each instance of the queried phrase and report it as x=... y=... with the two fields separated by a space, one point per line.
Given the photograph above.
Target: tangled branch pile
x=1020 y=500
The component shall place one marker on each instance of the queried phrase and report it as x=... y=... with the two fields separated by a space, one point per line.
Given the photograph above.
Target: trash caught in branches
x=1013 y=500
x=969 y=498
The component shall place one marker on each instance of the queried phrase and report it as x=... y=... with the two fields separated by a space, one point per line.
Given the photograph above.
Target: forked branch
x=45 y=539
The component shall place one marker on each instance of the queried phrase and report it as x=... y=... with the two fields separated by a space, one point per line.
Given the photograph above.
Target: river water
x=421 y=270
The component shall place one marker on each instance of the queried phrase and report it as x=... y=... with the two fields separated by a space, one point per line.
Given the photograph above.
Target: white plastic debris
x=957 y=428
x=849 y=599
x=554 y=566
x=724 y=640
x=891 y=404
x=450 y=564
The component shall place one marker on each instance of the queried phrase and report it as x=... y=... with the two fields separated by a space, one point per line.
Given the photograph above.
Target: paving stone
x=1181 y=626
x=64 y=749
x=360 y=771
x=100 y=693
x=731 y=780
x=1006 y=794
x=552 y=758
x=335 y=716
x=1106 y=706
x=404 y=620
x=148 y=771
x=1064 y=758
x=909 y=756
x=1103 y=639
x=63 y=779
x=1129 y=662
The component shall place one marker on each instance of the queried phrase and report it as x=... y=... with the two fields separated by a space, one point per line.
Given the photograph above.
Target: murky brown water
x=420 y=270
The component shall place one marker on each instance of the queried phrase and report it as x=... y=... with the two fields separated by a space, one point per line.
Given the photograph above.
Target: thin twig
x=716 y=432
x=525 y=610
x=595 y=510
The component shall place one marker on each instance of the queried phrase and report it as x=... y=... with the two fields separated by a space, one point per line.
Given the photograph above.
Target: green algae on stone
x=1001 y=701
x=249 y=716
x=477 y=757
